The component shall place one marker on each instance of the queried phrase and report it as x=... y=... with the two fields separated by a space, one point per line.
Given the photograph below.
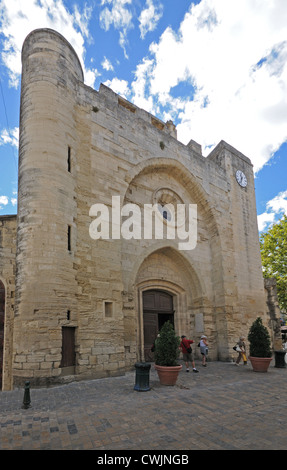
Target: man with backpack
x=187 y=353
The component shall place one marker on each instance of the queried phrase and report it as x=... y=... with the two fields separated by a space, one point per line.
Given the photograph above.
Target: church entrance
x=157 y=309
x=2 y=316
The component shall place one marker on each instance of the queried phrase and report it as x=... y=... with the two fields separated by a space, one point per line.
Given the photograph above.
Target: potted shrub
x=260 y=346
x=166 y=355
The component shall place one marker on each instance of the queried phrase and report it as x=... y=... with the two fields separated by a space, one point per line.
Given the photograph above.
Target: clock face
x=241 y=178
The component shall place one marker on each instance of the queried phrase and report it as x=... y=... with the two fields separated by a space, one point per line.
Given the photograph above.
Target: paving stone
x=224 y=408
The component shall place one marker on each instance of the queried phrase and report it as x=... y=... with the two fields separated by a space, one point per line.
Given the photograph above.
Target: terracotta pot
x=260 y=364
x=167 y=374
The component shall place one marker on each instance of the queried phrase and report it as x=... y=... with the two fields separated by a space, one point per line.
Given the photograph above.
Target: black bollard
x=142 y=376
x=26 y=399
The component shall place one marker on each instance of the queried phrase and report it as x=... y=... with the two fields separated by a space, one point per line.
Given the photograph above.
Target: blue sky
x=217 y=68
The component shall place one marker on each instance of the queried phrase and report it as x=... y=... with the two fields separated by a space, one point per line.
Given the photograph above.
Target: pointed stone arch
x=179 y=259
x=187 y=179
x=166 y=269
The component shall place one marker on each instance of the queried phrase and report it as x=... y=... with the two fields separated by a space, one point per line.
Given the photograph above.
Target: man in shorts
x=187 y=356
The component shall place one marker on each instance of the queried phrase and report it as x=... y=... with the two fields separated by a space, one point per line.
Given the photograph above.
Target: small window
x=69 y=159
x=68 y=314
x=166 y=215
x=108 y=309
x=69 y=237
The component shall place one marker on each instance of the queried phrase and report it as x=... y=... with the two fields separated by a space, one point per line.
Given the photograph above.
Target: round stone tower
x=47 y=211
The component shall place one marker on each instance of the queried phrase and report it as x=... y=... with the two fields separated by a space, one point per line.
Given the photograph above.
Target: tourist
x=241 y=349
x=187 y=353
x=203 y=344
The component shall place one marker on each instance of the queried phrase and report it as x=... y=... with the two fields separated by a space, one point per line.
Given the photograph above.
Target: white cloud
x=141 y=95
x=107 y=65
x=275 y=209
x=279 y=203
x=4 y=201
x=82 y=19
x=264 y=220
x=149 y=17
x=234 y=54
x=119 y=86
x=90 y=76
x=16 y=25
x=120 y=17
x=10 y=137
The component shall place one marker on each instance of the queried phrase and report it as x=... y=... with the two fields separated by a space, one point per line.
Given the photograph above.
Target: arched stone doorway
x=168 y=275
x=2 y=318
x=157 y=309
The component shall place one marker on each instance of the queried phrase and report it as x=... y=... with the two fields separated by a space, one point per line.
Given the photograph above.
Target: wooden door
x=157 y=309
x=2 y=317
x=68 y=347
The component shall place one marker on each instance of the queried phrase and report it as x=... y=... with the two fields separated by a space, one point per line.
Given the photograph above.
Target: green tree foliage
x=167 y=346
x=273 y=245
x=259 y=339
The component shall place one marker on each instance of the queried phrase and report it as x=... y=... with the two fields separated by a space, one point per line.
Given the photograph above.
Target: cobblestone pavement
x=222 y=407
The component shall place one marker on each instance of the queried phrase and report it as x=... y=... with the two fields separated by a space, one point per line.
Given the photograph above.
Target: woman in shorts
x=203 y=344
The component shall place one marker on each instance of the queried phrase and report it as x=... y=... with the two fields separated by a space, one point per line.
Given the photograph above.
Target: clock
x=241 y=178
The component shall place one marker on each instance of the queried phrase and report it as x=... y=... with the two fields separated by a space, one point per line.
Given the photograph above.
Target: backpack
x=188 y=349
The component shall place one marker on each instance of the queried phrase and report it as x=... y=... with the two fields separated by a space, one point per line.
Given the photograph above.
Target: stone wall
x=8 y=229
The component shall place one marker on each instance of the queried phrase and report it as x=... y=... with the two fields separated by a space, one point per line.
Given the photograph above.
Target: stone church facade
x=82 y=307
